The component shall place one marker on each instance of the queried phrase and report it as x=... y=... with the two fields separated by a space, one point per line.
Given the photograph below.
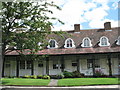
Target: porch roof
x=71 y=51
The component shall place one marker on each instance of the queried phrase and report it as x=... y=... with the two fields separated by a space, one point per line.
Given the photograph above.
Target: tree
x=25 y=25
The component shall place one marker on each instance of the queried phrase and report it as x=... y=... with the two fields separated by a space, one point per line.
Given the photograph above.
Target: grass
x=87 y=81
x=23 y=81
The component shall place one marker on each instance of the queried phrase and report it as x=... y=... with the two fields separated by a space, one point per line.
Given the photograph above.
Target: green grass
x=23 y=81
x=87 y=81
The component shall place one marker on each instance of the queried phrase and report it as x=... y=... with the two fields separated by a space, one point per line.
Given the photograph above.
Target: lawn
x=87 y=81
x=23 y=81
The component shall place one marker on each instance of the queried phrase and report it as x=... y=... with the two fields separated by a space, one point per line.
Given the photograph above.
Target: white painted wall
x=11 y=71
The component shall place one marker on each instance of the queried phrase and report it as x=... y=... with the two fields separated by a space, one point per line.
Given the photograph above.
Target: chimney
x=76 y=27
x=107 y=25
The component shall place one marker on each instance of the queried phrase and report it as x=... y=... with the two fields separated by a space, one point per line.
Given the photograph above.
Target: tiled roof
x=93 y=34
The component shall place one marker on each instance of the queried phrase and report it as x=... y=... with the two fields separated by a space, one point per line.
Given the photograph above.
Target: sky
x=90 y=14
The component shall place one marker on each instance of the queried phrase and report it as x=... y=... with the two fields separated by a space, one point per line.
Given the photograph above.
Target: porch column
x=62 y=63
x=93 y=66
x=109 y=64
x=78 y=65
x=17 y=67
x=47 y=65
x=118 y=65
x=32 y=67
x=3 y=66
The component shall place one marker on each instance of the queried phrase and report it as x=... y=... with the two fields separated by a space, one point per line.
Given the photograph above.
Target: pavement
x=53 y=82
x=97 y=87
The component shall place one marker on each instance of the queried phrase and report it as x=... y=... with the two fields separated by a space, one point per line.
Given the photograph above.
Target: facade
x=83 y=50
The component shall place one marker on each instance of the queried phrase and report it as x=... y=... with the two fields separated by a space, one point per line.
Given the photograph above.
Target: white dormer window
x=86 y=42
x=104 y=41
x=52 y=44
x=118 y=41
x=69 y=43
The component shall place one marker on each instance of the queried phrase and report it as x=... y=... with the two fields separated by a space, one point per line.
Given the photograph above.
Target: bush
x=60 y=76
x=34 y=76
x=98 y=72
x=46 y=77
x=27 y=76
x=67 y=74
x=39 y=76
x=77 y=74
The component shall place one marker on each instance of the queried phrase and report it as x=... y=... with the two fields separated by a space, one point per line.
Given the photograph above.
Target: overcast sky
x=90 y=14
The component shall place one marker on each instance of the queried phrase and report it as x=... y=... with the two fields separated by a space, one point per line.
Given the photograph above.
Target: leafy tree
x=25 y=25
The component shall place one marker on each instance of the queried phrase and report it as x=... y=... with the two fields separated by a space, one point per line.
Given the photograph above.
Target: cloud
x=93 y=12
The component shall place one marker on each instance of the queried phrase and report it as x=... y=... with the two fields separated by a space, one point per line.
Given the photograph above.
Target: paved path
x=53 y=82
x=98 y=87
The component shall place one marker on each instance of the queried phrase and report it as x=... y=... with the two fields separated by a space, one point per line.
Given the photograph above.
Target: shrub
x=39 y=76
x=27 y=76
x=67 y=74
x=60 y=76
x=34 y=76
x=99 y=72
x=77 y=74
x=46 y=77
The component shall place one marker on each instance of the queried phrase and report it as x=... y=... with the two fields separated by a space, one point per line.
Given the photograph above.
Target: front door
x=40 y=67
x=25 y=67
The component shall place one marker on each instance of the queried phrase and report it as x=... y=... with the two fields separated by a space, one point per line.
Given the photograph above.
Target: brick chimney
x=107 y=25
x=76 y=27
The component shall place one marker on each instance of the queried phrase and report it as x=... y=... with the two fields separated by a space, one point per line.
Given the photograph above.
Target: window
x=7 y=64
x=74 y=63
x=90 y=61
x=86 y=42
x=62 y=66
x=40 y=63
x=55 y=65
x=69 y=43
x=52 y=44
x=118 y=41
x=25 y=64
x=104 y=41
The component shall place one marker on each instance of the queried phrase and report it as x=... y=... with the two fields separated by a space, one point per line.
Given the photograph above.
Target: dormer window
x=86 y=42
x=52 y=44
x=104 y=41
x=118 y=41
x=69 y=43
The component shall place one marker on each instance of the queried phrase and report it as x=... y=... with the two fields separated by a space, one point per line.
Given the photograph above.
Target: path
x=53 y=82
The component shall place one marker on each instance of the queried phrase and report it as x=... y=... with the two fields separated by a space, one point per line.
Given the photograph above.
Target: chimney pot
x=76 y=27
x=107 y=25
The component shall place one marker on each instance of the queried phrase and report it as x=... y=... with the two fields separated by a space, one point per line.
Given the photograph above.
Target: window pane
x=29 y=64
x=86 y=43
x=52 y=43
x=22 y=64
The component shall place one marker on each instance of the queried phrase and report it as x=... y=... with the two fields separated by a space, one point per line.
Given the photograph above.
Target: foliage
x=67 y=74
x=27 y=76
x=98 y=72
x=60 y=76
x=34 y=76
x=25 y=25
x=39 y=76
x=46 y=77
x=77 y=74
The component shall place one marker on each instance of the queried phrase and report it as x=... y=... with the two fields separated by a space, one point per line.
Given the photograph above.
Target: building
x=83 y=50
